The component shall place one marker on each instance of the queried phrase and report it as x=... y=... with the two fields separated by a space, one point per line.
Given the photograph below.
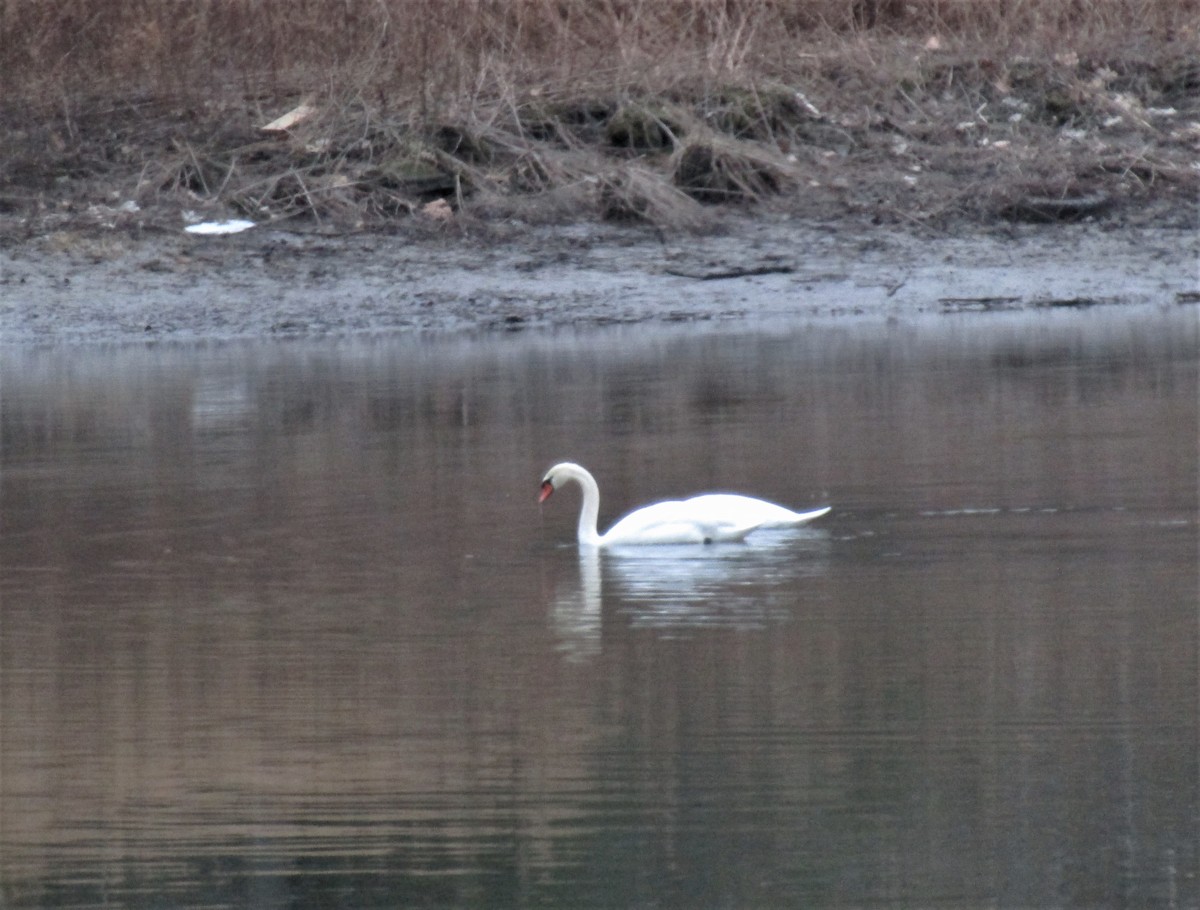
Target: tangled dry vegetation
x=654 y=110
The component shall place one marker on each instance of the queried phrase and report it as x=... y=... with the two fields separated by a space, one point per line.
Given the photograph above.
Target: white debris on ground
x=235 y=226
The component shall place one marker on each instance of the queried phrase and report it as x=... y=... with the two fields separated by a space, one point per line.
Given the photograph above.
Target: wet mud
x=89 y=286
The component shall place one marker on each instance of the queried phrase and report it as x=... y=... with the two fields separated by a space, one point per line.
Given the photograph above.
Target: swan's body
x=711 y=518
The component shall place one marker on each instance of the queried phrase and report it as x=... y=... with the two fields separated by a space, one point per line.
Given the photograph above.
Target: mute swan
x=702 y=519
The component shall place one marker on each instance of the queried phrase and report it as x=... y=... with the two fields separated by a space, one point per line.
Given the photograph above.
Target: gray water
x=283 y=626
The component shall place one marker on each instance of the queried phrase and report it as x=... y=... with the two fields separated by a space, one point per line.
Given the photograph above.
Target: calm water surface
x=282 y=625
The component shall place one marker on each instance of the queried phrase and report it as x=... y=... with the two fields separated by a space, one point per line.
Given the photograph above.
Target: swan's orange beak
x=547 y=489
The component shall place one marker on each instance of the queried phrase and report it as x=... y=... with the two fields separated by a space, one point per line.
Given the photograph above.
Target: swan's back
x=710 y=518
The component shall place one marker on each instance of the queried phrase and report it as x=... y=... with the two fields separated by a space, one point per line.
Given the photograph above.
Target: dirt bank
x=88 y=286
x=538 y=165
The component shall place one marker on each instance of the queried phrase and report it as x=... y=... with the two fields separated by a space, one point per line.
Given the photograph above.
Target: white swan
x=709 y=518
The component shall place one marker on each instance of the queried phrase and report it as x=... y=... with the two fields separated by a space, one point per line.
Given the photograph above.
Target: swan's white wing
x=709 y=518
x=746 y=510
x=675 y=522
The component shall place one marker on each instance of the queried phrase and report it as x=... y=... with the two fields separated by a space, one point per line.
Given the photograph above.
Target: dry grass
x=442 y=54
x=626 y=108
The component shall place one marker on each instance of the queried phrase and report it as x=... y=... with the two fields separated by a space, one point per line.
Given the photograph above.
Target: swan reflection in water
x=678 y=588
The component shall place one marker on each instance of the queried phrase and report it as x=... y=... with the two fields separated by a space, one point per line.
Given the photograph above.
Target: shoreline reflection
x=280 y=625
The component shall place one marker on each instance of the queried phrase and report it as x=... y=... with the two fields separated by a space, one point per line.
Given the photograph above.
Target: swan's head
x=558 y=475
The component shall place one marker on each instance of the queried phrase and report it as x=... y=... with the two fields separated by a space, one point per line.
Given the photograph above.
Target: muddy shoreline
x=103 y=287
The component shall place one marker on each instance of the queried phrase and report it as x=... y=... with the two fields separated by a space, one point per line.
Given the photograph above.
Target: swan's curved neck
x=589 y=512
